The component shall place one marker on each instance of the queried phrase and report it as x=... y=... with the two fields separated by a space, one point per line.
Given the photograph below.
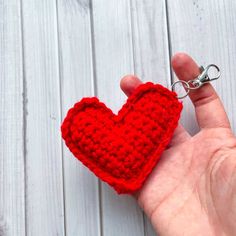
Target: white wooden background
x=54 y=52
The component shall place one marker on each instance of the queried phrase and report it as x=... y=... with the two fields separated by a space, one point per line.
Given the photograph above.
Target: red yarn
x=123 y=149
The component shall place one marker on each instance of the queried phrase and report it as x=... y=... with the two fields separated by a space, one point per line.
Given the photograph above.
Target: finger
x=128 y=84
x=208 y=106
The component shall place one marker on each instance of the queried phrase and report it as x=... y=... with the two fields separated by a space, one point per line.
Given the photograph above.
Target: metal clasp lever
x=198 y=82
x=204 y=77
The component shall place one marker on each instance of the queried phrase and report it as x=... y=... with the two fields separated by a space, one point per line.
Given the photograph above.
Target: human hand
x=192 y=190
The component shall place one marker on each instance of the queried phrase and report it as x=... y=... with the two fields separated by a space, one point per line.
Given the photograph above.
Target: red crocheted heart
x=123 y=149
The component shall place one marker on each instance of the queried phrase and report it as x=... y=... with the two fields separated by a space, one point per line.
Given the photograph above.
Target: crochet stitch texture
x=123 y=149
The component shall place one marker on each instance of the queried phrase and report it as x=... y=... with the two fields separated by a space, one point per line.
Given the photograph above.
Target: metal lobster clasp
x=198 y=82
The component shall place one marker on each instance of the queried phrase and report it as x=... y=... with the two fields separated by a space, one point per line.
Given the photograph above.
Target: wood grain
x=12 y=204
x=150 y=39
x=82 y=210
x=53 y=53
x=114 y=58
x=151 y=51
x=206 y=30
x=44 y=189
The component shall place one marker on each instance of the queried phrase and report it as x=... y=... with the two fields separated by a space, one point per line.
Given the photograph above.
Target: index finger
x=208 y=106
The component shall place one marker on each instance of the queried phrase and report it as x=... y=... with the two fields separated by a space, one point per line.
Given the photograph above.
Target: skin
x=192 y=190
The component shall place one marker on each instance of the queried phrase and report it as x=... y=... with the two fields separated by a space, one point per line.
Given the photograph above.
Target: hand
x=192 y=190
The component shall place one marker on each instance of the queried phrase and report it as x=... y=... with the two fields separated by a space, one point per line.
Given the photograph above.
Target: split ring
x=184 y=84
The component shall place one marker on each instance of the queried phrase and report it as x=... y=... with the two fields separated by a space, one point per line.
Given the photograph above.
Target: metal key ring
x=185 y=85
x=198 y=82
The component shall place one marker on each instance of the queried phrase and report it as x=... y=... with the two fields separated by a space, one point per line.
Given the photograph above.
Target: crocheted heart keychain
x=123 y=149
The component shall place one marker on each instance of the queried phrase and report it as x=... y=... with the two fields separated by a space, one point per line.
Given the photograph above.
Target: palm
x=192 y=190
x=185 y=189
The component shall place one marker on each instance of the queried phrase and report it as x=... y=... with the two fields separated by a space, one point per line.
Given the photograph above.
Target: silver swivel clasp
x=199 y=81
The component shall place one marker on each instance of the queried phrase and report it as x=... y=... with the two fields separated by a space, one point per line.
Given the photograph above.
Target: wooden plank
x=12 y=215
x=206 y=30
x=151 y=52
x=44 y=192
x=81 y=186
x=114 y=59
